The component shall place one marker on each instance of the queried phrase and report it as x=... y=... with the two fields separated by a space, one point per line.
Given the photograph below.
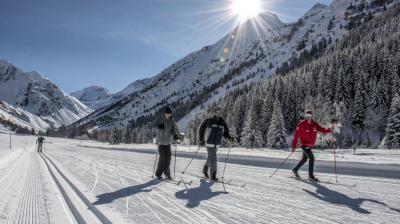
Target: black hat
x=168 y=110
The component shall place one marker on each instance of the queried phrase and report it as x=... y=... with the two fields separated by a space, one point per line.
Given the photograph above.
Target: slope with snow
x=91 y=95
x=21 y=118
x=37 y=95
x=130 y=89
x=253 y=51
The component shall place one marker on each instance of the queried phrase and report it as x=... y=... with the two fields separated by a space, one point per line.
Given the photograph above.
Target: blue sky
x=78 y=43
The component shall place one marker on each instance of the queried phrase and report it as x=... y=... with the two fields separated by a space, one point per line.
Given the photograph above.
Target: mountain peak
x=315 y=9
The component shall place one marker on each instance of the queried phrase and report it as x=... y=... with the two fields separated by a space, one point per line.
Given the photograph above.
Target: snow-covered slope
x=252 y=51
x=131 y=88
x=21 y=118
x=33 y=93
x=91 y=95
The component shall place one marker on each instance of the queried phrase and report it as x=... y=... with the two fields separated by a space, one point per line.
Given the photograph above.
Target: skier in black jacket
x=216 y=128
x=39 y=141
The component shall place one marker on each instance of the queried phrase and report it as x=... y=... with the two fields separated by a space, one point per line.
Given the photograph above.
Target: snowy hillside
x=33 y=93
x=91 y=95
x=112 y=98
x=251 y=52
x=20 y=117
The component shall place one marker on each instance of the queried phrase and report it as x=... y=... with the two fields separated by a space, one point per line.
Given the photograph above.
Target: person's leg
x=311 y=160
x=161 y=161
x=212 y=155
x=167 y=170
x=301 y=162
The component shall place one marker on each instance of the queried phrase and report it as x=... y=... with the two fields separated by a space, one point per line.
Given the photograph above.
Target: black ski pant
x=307 y=154
x=40 y=147
x=165 y=160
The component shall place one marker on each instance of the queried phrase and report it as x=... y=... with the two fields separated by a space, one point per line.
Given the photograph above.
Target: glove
x=177 y=137
x=154 y=140
x=161 y=126
x=202 y=143
x=232 y=139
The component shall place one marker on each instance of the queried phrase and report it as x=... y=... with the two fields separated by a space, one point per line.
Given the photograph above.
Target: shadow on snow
x=333 y=197
x=195 y=195
x=125 y=192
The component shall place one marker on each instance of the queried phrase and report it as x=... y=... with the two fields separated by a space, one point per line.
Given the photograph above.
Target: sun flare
x=246 y=9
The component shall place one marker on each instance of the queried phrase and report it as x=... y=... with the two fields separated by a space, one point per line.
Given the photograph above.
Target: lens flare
x=246 y=9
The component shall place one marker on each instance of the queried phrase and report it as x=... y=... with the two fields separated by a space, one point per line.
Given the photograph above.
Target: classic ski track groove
x=255 y=200
x=97 y=213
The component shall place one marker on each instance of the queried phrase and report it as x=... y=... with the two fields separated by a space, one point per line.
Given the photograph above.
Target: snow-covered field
x=374 y=156
x=118 y=185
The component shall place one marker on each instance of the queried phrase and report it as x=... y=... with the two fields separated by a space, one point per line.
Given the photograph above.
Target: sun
x=246 y=9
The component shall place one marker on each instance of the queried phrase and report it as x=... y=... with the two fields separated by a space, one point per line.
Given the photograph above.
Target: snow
x=263 y=42
x=91 y=95
x=373 y=156
x=21 y=117
x=119 y=185
x=33 y=94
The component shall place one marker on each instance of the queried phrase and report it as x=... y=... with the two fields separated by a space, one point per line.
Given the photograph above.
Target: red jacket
x=308 y=133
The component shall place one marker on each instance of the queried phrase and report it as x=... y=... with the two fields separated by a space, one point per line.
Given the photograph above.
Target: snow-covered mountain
x=91 y=95
x=17 y=117
x=112 y=98
x=33 y=94
x=252 y=51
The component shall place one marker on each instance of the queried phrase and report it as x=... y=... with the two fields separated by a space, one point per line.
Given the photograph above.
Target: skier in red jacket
x=307 y=132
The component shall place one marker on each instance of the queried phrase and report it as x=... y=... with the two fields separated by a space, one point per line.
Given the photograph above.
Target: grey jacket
x=165 y=131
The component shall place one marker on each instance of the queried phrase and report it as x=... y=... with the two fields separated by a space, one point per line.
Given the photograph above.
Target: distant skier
x=216 y=129
x=39 y=141
x=166 y=133
x=307 y=131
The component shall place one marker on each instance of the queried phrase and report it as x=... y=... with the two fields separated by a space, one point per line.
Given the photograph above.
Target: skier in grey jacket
x=216 y=128
x=166 y=132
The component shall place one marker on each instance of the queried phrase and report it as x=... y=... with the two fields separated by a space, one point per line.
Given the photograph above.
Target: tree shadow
x=195 y=195
x=125 y=192
x=333 y=197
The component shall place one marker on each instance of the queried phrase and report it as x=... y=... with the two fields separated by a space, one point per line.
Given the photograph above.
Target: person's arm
x=175 y=131
x=295 y=138
x=202 y=130
x=159 y=123
x=322 y=130
x=226 y=131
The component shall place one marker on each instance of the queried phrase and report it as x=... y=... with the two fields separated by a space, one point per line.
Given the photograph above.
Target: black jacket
x=216 y=128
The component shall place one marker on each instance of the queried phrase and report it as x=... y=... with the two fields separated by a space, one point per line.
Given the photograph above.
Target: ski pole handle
x=281 y=164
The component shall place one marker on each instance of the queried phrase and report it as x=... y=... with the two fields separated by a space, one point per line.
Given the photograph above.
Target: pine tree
x=359 y=104
x=127 y=139
x=247 y=134
x=277 y=137
x=239 y=117
x=393 y=124
x=115 y=137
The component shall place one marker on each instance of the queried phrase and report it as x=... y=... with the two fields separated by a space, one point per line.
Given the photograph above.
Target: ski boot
x=296 y=174
x=214 y=176
x=313 y=179
x=205 y=171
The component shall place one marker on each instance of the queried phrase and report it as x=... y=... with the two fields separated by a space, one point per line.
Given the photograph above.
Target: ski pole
x=155 y=162
x=281 y=165
x=226 y=161
x=194 y=154
x=176 y=146
x=334 y=155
